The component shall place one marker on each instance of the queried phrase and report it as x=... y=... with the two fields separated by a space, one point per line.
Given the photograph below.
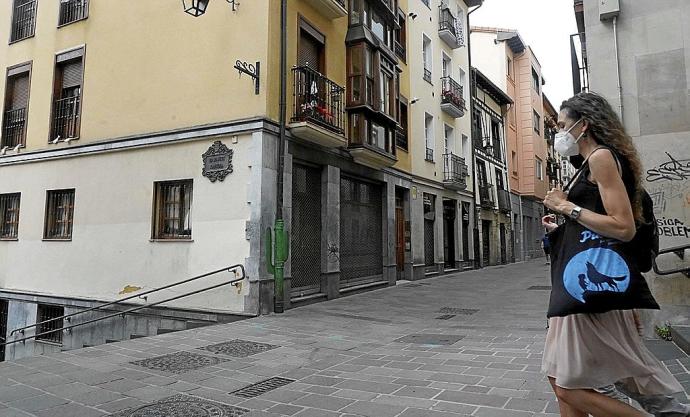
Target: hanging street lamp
x=195 y=7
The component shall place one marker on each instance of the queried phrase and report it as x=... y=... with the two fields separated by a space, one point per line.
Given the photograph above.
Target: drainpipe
x=618 y=66
x=474 y=160
x=507 y=177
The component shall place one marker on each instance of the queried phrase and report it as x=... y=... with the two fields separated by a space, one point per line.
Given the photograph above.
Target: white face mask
x=566 y=144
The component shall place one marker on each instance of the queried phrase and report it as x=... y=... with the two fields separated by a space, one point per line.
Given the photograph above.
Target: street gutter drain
x=454 y=310
x=183 y=405
x=445 y=317
x=540 y=288
x=179 y=362
x=239 y=348
x=262 y=387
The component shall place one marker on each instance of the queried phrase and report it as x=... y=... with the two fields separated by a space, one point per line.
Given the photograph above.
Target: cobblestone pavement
x=467 y=344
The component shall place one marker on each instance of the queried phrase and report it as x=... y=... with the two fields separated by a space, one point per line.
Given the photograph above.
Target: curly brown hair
x=606 y=128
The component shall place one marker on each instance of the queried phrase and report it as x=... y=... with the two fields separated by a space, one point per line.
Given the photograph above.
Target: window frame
x=536 y=122
x=62 y=59
x=13 y=72
x=4 y=198
x=536 y=81
x=56 y=337
x=539 y=168
x=33 y=29
x=86 y=14
x=50 y=215
x=158 y=221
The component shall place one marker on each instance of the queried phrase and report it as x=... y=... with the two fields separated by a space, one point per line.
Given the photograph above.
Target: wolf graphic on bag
x=593 y=274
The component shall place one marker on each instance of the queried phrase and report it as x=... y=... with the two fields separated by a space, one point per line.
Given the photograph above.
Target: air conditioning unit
x=608 y=9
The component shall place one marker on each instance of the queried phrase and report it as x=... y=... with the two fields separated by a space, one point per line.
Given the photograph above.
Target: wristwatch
x=575 y=213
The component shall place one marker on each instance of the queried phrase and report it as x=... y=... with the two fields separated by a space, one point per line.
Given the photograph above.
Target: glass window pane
x=378 y=26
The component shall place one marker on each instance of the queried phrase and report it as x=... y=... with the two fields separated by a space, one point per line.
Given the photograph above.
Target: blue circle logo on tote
x=595 y=270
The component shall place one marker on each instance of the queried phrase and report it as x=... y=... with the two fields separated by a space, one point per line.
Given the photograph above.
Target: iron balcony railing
x=13 y=128
x=429 y=155
x=678 y=251
x=452 y=92
x=236 y=269
x=401 y=138
x=504 y=201
x=73 y=10
x=66 y=118
x=427 y=74
x=486 y=195
x=317 y=100
x=23 y=20
x=400 y=50
x=447 y=21
x=454 y=169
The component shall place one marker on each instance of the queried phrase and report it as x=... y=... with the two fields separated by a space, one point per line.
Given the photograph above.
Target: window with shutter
x=310 y=51
x=16 y=103
x=67 y=105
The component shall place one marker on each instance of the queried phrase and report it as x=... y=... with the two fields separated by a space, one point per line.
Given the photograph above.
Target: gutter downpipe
x=618 y=67
x=475 y=212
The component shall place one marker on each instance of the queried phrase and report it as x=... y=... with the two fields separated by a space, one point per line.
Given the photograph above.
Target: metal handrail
x=676 y=249
x=122 y=313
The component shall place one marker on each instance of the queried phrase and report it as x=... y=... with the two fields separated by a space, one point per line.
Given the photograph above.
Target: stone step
x=136 y=336
x=197 y=324
x=164 y=331
x=681 y=336
x=112 y=340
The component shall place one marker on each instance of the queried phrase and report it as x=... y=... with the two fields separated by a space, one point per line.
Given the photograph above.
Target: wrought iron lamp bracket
x=253 y=70
x=234 y=4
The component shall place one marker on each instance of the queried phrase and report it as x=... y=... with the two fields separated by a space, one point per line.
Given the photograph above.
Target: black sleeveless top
x=586 y=194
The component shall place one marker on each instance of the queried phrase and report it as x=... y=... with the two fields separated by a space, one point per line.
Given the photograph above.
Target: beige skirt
x=595 y=350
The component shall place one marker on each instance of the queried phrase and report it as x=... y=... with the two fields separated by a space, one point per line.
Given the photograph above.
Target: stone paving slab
x=378 y=354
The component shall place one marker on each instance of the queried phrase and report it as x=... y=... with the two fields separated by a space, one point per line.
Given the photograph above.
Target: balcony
x=429 y=156
x=66 y=118
x=331 y=9
x=13 y=128
x=427 y=74
x=448 y=28
x=317 y=114
x=487 y=198
x=504 y=201
x=455 y=172
x=452 y=99
x=400 y=50
x=401 y=138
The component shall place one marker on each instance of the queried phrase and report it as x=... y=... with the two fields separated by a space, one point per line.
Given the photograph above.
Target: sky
x=546 y=26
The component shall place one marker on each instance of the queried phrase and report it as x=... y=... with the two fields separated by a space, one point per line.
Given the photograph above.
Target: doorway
x=449 y=233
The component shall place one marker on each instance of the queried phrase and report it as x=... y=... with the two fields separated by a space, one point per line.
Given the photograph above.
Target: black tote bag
x=592 y=273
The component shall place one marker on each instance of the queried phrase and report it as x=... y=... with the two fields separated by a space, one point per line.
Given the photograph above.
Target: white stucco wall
x=111 y=246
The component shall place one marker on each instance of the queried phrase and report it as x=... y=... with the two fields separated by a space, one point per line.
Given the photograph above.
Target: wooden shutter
x=309 y=51
x=71 y=74
x=20 y=92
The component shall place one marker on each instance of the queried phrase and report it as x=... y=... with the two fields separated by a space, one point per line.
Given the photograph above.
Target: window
x=361 y=13
x=539 y=169
x=429 y=136
x=53 y=327
x=445 y=66
x=310 y=51
x=16 y=104
x=509 y=67
x=448 y=144
x=361 y=75
x=535 y=80
x=496 y=137
x=72 y=11
x=172 y=210
x=67 y=93
x=23 y=20
x=460 y=27
x=462 y=80
x=9 y=216
x=426 y=54
x=59 y=215
x=499 y=180
x=401 y=37
x=477 y=130
x=513 y=159
x=401 y=139
x=536 y=121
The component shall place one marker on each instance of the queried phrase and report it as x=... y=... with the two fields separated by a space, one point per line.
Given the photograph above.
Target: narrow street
x=467 y=344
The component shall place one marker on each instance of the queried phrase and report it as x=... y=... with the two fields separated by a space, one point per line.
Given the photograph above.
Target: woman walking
x=586 y=351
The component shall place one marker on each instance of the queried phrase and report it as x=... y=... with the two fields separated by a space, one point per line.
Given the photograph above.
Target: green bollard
x=276 y=264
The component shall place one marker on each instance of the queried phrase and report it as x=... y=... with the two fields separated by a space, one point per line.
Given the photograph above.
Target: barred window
x=23 y=20
x=51 y=328
x=72 y=11
x=173 y=210
x=67 y=88
x=59 y=214
x=9 y=215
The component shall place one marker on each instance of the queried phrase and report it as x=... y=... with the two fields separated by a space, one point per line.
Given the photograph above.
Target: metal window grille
x=14 y=128
x=305 y=233
x=52 y=328
x=429 y=155
x=173 y=210
x=23 y=20
x=427 y=74
x=454 y=168
x=59 y=214
x=318 y=99
x=3 y=326
x=66 y=117
x=9 y=216
x=73 y=10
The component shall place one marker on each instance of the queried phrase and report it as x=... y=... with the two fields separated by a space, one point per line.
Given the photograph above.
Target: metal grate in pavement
x=183 y=405
x=179 y=362
x=262 y=387
x=540 y=288
x=445 y=317
x=430 y=339
x=239 y=348
x=454 y=310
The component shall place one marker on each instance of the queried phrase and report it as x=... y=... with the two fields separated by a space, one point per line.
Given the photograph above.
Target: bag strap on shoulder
x=583 y=166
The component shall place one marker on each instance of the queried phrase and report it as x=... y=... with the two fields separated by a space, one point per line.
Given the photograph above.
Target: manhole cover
x=179 y=362
x=239 y=348
x=540 y=288
x=454 y=310
x=183 y=406
x=262 y=387
x=445 y=317
x=431 y=339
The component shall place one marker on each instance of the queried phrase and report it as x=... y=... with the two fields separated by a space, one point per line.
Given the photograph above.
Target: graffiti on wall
x=673 y=228
x=672 y=170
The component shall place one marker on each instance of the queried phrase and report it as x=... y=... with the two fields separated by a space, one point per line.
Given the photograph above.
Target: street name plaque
x=217 y=162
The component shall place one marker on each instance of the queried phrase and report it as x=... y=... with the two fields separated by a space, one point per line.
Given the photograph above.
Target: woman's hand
x=549 y=222
x=555 y=199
